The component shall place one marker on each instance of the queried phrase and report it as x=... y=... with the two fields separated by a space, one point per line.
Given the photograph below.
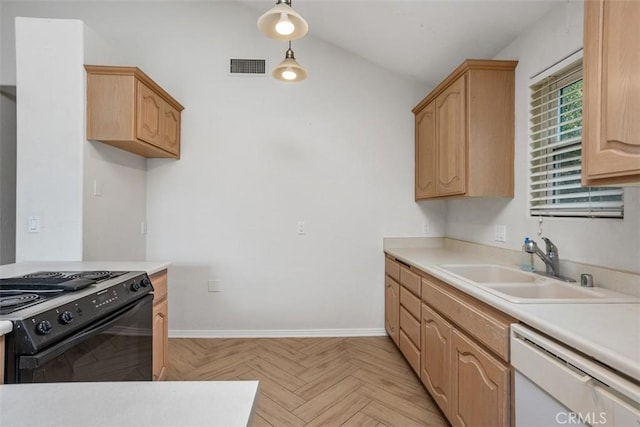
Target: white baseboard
x=278 y=333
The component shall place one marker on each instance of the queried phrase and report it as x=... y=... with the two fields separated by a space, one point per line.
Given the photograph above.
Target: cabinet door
x=451 y=137
x=160 y=339
x=425 y=166
x=436 y=357
x=480 y=386
x=611 y=137
x=171 y=129
x=149 y=109
x=392 y=308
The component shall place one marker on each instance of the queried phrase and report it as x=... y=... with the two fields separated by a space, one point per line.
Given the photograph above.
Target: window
x=556 y=152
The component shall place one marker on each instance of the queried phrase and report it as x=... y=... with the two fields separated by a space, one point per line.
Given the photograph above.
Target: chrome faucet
x=551 y=259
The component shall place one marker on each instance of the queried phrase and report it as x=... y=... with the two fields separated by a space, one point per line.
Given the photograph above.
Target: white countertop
x=139 y=404
x=21 y=268
x=5 y=327
x=610 y=333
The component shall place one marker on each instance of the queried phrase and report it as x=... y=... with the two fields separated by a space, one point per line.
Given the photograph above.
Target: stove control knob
x=44 y=327
x=145 y=282
x=66 y=317
x=135 y=286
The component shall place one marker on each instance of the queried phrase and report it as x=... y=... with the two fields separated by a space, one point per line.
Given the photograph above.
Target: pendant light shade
x=282 y=22
x=289 y=70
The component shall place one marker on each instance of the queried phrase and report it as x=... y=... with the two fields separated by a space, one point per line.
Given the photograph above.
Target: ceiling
x=421 y=39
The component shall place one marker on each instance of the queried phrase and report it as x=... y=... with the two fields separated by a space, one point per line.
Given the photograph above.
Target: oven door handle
x=32 y=362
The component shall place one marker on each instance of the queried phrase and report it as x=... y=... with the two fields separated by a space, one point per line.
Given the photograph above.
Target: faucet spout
x=550 y=258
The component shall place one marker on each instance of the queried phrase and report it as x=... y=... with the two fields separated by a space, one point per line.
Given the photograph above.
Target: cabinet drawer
x=159 y=282
x=410 y=351
x=410 y=302
x=410 y=280
x=489 y=327
x=392 y=268
x=410 y=326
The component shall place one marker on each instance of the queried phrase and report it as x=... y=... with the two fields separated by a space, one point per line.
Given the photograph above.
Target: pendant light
x=289 y=70
x=282 y=22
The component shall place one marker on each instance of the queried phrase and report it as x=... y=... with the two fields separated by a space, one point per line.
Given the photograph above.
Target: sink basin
x=550 y=290
x=492 y=274
x=522 y=287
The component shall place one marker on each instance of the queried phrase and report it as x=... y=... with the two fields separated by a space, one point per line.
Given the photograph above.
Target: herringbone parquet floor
x=313 y=381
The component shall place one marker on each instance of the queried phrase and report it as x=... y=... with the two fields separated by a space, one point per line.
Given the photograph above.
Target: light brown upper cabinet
x=611 y=132
x=128 y=110
x=464 y=132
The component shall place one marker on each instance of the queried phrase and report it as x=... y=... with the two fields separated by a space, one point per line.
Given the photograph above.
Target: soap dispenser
x=526 y=259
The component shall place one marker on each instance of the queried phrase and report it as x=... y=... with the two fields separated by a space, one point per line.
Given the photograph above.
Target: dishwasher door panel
x=569 y=388
x=535 y=408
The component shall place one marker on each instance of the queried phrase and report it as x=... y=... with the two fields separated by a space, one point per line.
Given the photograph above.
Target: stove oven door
x=115 y=348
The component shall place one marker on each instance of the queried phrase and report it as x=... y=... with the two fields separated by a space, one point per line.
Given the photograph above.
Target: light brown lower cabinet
x=480 y=386
x=436 y=357
x=391 y=306
x=160 y=326
x=460 y=337
x=458 y=345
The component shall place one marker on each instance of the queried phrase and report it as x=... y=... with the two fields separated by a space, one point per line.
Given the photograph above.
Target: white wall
x=605 y=242
x=258 y=155
x=115 y=184
x=50 y=111
x=57 y=167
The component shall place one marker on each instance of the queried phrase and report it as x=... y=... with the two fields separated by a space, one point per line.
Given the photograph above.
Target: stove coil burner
x=17 y=300
x=91 y=275
x=43 y=275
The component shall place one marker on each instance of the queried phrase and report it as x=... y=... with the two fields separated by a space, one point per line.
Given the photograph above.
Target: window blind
x=556 y=152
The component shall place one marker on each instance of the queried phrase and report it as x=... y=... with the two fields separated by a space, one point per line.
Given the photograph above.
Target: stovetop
x=21 y=292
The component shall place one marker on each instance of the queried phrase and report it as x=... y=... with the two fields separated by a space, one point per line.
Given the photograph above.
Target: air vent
x=248 y=66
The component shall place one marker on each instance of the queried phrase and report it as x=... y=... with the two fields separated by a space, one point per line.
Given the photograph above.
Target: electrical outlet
x=302 y=228
x=214 y=285
x=500 y=234
x=425 y=228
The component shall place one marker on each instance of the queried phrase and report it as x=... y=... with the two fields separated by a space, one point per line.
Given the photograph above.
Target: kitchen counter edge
x=580 y=326
x=20 y=268
x=157 y=403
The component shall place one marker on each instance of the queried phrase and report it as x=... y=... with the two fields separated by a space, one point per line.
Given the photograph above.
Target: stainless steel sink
x=522 y=287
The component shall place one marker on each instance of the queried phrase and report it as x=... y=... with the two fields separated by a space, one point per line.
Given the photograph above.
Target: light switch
x=34 y=224
x=97 y=188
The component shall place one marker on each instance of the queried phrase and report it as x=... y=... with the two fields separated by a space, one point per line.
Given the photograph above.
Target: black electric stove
x=78 y=326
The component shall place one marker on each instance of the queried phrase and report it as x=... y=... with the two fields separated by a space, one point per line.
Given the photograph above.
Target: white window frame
x=554 y=182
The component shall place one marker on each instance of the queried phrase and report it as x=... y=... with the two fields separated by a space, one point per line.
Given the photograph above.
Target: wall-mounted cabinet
x=128 y=110
x=611 y=129
x=464 y=133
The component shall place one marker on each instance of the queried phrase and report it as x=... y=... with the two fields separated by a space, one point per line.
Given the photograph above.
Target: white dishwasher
x=556 y=386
